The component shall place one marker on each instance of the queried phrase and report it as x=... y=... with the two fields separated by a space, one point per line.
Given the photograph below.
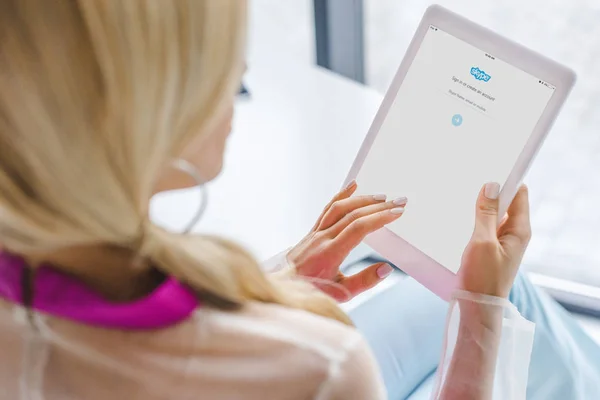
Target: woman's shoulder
x=290 y=351
x=286 y=354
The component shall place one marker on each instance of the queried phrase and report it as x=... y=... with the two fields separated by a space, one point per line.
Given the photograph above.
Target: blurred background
x=365 y=40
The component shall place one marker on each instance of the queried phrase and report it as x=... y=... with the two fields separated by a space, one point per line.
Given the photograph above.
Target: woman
x=103 y=104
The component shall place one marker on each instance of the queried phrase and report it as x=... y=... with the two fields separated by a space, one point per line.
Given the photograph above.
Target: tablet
x=466 y=107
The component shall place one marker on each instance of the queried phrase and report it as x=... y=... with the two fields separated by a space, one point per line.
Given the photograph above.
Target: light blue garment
x=405 y=324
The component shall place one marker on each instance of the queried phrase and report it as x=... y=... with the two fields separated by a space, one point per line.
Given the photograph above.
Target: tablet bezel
x=424 y=269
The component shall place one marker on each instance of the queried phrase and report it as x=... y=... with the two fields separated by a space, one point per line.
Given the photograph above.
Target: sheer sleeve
x=277 y=263
x=486 y=352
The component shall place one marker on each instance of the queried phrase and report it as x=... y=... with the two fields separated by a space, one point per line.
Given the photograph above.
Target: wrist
x=484 y=288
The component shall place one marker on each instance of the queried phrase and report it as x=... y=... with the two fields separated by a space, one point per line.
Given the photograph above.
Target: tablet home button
x=457 y=119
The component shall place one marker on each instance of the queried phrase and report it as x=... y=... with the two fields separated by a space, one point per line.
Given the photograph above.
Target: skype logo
x=479 y=74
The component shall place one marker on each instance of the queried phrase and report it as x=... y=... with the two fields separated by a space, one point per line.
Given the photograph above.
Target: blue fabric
x=405 y=323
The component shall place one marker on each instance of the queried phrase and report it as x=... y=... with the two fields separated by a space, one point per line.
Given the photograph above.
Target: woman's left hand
x=343 y=224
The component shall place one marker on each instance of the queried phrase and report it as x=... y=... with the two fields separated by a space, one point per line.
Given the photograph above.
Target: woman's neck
x=108 y=270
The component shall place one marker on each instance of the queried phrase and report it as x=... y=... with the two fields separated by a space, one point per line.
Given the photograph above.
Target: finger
x=343 y=194
x=354 y=233
x=517 y=224
x=366 y=279
x=332 y=287
x=486 y=215
x=361 y=212
x=341 y=208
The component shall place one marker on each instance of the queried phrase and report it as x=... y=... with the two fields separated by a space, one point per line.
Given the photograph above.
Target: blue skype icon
x=479 y=74
x=457 y=120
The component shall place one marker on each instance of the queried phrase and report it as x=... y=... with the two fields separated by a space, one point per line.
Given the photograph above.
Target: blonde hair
x=96 y=98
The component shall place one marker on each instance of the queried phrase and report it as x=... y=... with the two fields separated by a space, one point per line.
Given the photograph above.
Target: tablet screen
x=460 y=118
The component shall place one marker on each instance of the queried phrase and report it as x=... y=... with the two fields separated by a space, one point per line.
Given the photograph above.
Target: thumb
x=366 y=279
x=486 y=217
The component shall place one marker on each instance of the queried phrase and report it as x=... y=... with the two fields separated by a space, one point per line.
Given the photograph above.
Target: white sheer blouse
x=262 y=352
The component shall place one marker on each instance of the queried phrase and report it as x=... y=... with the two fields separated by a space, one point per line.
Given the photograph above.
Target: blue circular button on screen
x=457 y=119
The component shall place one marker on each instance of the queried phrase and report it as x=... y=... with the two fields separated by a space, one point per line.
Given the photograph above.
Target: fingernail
x=397 y=210
x=380 y=197
x=400 y=201
x=492 y=190
x=384 y=271
x=351 y=183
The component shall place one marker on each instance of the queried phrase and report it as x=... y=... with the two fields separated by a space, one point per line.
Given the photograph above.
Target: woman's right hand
x=491 y=259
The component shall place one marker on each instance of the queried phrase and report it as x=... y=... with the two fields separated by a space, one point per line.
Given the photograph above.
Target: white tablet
x=466 y=107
